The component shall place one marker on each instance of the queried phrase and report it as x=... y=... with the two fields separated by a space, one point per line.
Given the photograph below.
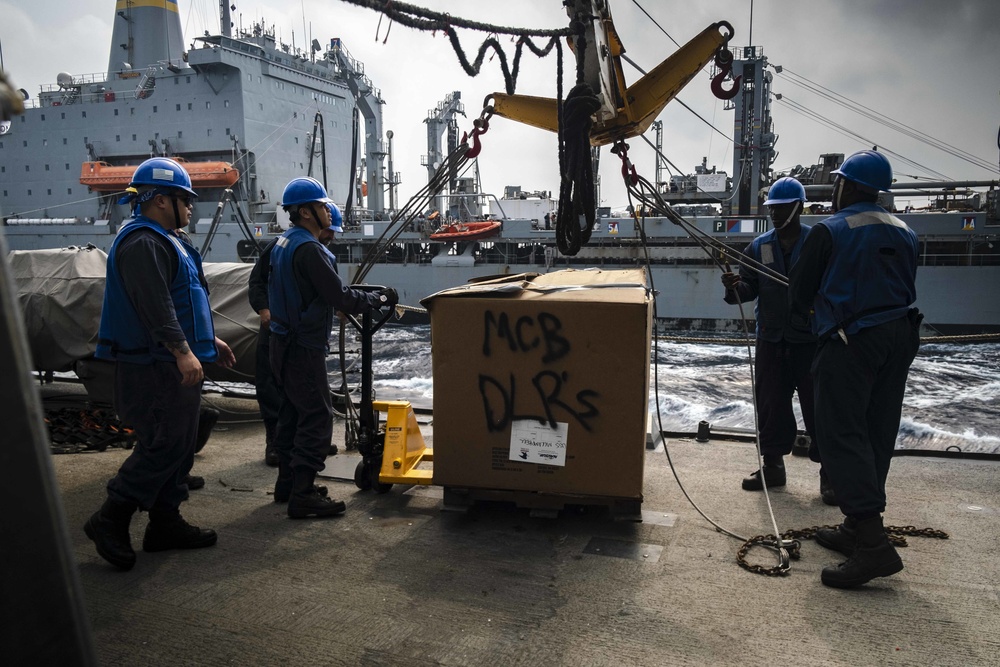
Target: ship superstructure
x=247 y=100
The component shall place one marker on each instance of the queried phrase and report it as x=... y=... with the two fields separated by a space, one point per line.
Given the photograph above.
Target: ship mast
x=225 y=20
x=753 y=133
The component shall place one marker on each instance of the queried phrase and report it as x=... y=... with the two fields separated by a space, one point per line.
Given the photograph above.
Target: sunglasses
x=187 y=200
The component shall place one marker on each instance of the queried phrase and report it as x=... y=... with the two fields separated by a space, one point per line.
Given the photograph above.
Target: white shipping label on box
x=532 y=442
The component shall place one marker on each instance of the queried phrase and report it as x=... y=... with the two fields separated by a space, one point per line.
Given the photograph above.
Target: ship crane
x=625 y=110
x=439 y=119
x=369 y=101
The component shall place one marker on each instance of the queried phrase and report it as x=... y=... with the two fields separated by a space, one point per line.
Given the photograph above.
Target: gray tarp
x=61 y=293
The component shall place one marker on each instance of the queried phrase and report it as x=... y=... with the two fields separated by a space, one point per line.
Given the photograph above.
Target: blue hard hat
x=785 y=191
x=302 y=191
x=869 y=169
x=162 y=172
x=336 y=219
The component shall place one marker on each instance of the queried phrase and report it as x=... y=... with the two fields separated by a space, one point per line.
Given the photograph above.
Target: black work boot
x=270 y=451
x=108 y=528
x=168 y=530
x=194 y=482
x=874 y=557
x=283 y=485
x=306 y=500
x=843 y=538
x=271 y=456
x=774 y=475
x=826 y=491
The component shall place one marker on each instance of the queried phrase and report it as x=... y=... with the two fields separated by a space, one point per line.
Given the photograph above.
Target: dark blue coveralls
x=138 y=316
x=857 y=273
x=784 y=353
x=304 y=291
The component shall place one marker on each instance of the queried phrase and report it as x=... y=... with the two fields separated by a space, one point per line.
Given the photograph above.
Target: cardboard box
x=541 y=382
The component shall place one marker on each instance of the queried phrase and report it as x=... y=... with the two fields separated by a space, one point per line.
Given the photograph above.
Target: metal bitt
x=704 y=432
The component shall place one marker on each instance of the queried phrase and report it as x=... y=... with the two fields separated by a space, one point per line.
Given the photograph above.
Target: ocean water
x=952 y=399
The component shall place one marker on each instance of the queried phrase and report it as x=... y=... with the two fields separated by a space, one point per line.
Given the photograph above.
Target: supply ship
x=246 y=113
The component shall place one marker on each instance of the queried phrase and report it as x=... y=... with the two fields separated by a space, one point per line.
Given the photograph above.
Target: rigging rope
x=427 y=20
x=882 y=119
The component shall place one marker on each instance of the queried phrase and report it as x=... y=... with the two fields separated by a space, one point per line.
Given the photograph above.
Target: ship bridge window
x=133 y=137
x=69 y=191
x=176 y=80
x=187 y=79
x=46 y=167
x=45 y=142
x=131 y=111
x=209 y=131
x=25 y=142
x=154 y=108
x=227 y=131
x=48 y=191
x=29 y=193
x=27 y=167
x=296 y=140
x=62 y=116
x=208 y=105
x=67 y=166
x=225 y=103
x=3 y=169
x=190 y=106
x=261 y=105
x=116 y=112
x=178 y=108
x=179 y=134
x=65 y=141
x=43 y=117
x=118 y=137
x=84 y=114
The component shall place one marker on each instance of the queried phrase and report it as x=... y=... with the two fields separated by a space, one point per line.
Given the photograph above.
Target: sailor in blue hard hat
x=783 y=353
x=855 y=282
x=307 y=194
x=156 y=324
x=165 y=177
x=304 y=292
x=867 y=172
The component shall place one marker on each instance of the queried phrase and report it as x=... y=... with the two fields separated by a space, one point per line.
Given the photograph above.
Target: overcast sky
x=930 y=64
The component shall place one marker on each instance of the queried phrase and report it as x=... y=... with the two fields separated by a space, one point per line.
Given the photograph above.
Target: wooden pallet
x=539 y=504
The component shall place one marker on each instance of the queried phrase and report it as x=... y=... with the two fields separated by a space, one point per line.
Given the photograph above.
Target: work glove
x=387 y=297
x=730 y=279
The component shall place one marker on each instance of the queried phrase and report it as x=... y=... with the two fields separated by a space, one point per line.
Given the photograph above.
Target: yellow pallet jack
x=390 y=453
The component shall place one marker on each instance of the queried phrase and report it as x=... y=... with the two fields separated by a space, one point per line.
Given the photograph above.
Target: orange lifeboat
x=103 y=177
x=466 y=231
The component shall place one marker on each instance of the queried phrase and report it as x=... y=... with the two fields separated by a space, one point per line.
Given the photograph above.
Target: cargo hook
x=724 y=61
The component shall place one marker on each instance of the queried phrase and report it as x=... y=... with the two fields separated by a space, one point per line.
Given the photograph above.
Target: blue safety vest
x=871 y=276
x=122 y=335
x=309 y=324
x=771 y=309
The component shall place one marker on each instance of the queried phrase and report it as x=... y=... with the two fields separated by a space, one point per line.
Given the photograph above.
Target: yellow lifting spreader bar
x=640 y=103
x=404 y=448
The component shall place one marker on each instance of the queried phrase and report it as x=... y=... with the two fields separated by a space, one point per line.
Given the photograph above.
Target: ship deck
x=399 y=581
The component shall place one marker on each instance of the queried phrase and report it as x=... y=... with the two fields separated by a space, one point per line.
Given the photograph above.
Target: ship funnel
x=146 y=32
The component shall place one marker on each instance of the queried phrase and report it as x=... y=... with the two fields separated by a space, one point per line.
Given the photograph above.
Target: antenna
x=305 y=34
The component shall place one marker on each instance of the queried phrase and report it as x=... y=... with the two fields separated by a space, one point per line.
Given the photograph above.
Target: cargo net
x=74 y=430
